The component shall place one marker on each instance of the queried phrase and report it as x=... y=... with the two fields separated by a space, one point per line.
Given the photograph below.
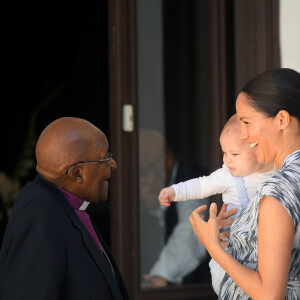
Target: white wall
x=290 y=34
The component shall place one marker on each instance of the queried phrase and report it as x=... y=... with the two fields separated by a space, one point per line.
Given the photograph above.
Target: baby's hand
x=166 y=196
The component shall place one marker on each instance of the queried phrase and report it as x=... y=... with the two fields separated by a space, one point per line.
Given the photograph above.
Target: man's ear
x=284 y=119
x=75 y=174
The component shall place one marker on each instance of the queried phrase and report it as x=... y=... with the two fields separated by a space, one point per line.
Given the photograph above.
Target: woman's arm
x=275 y=239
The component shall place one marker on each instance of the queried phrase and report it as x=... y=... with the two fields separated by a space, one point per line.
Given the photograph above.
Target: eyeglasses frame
x=108 y=158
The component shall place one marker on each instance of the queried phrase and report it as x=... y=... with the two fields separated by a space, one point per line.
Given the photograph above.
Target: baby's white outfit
x=236 y=192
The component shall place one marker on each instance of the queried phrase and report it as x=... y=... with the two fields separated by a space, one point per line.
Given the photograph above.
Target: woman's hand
x=224 y=219
x=208 y=232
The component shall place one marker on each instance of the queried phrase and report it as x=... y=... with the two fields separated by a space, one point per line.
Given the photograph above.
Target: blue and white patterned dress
x=283 y=185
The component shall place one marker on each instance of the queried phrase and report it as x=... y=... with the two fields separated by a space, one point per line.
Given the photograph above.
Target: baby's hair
x=232 y=126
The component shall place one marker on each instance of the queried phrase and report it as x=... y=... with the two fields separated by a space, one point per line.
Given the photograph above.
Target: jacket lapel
x=90 y=244
x=122 y=285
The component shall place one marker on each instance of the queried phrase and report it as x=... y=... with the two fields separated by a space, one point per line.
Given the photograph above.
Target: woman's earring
x=283 y=128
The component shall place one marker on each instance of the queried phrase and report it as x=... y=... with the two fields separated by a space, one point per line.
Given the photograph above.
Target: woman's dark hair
x=275 y=90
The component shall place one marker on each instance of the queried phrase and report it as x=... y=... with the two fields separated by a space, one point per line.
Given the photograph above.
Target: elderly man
x=50 y=249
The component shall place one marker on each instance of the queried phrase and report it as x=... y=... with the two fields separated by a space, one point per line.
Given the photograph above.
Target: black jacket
x=47 y=253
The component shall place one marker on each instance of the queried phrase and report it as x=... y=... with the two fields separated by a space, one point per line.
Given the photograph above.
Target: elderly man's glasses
x=108 y=159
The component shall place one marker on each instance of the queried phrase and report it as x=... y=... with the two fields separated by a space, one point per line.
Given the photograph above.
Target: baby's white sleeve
x=203 y=187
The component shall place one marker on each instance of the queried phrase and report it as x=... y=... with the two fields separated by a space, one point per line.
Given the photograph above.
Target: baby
x=237 y=181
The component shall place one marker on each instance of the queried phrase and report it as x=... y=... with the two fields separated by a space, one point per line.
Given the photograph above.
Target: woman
x=263 y=258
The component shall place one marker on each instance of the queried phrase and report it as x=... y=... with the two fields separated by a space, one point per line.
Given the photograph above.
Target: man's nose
x=113 y=164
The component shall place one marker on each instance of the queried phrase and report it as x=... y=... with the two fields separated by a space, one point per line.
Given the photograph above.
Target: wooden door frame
x=256 y=36
x=122 y=76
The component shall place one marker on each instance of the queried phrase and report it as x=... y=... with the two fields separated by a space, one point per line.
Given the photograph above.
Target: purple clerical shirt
x=79 y=207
